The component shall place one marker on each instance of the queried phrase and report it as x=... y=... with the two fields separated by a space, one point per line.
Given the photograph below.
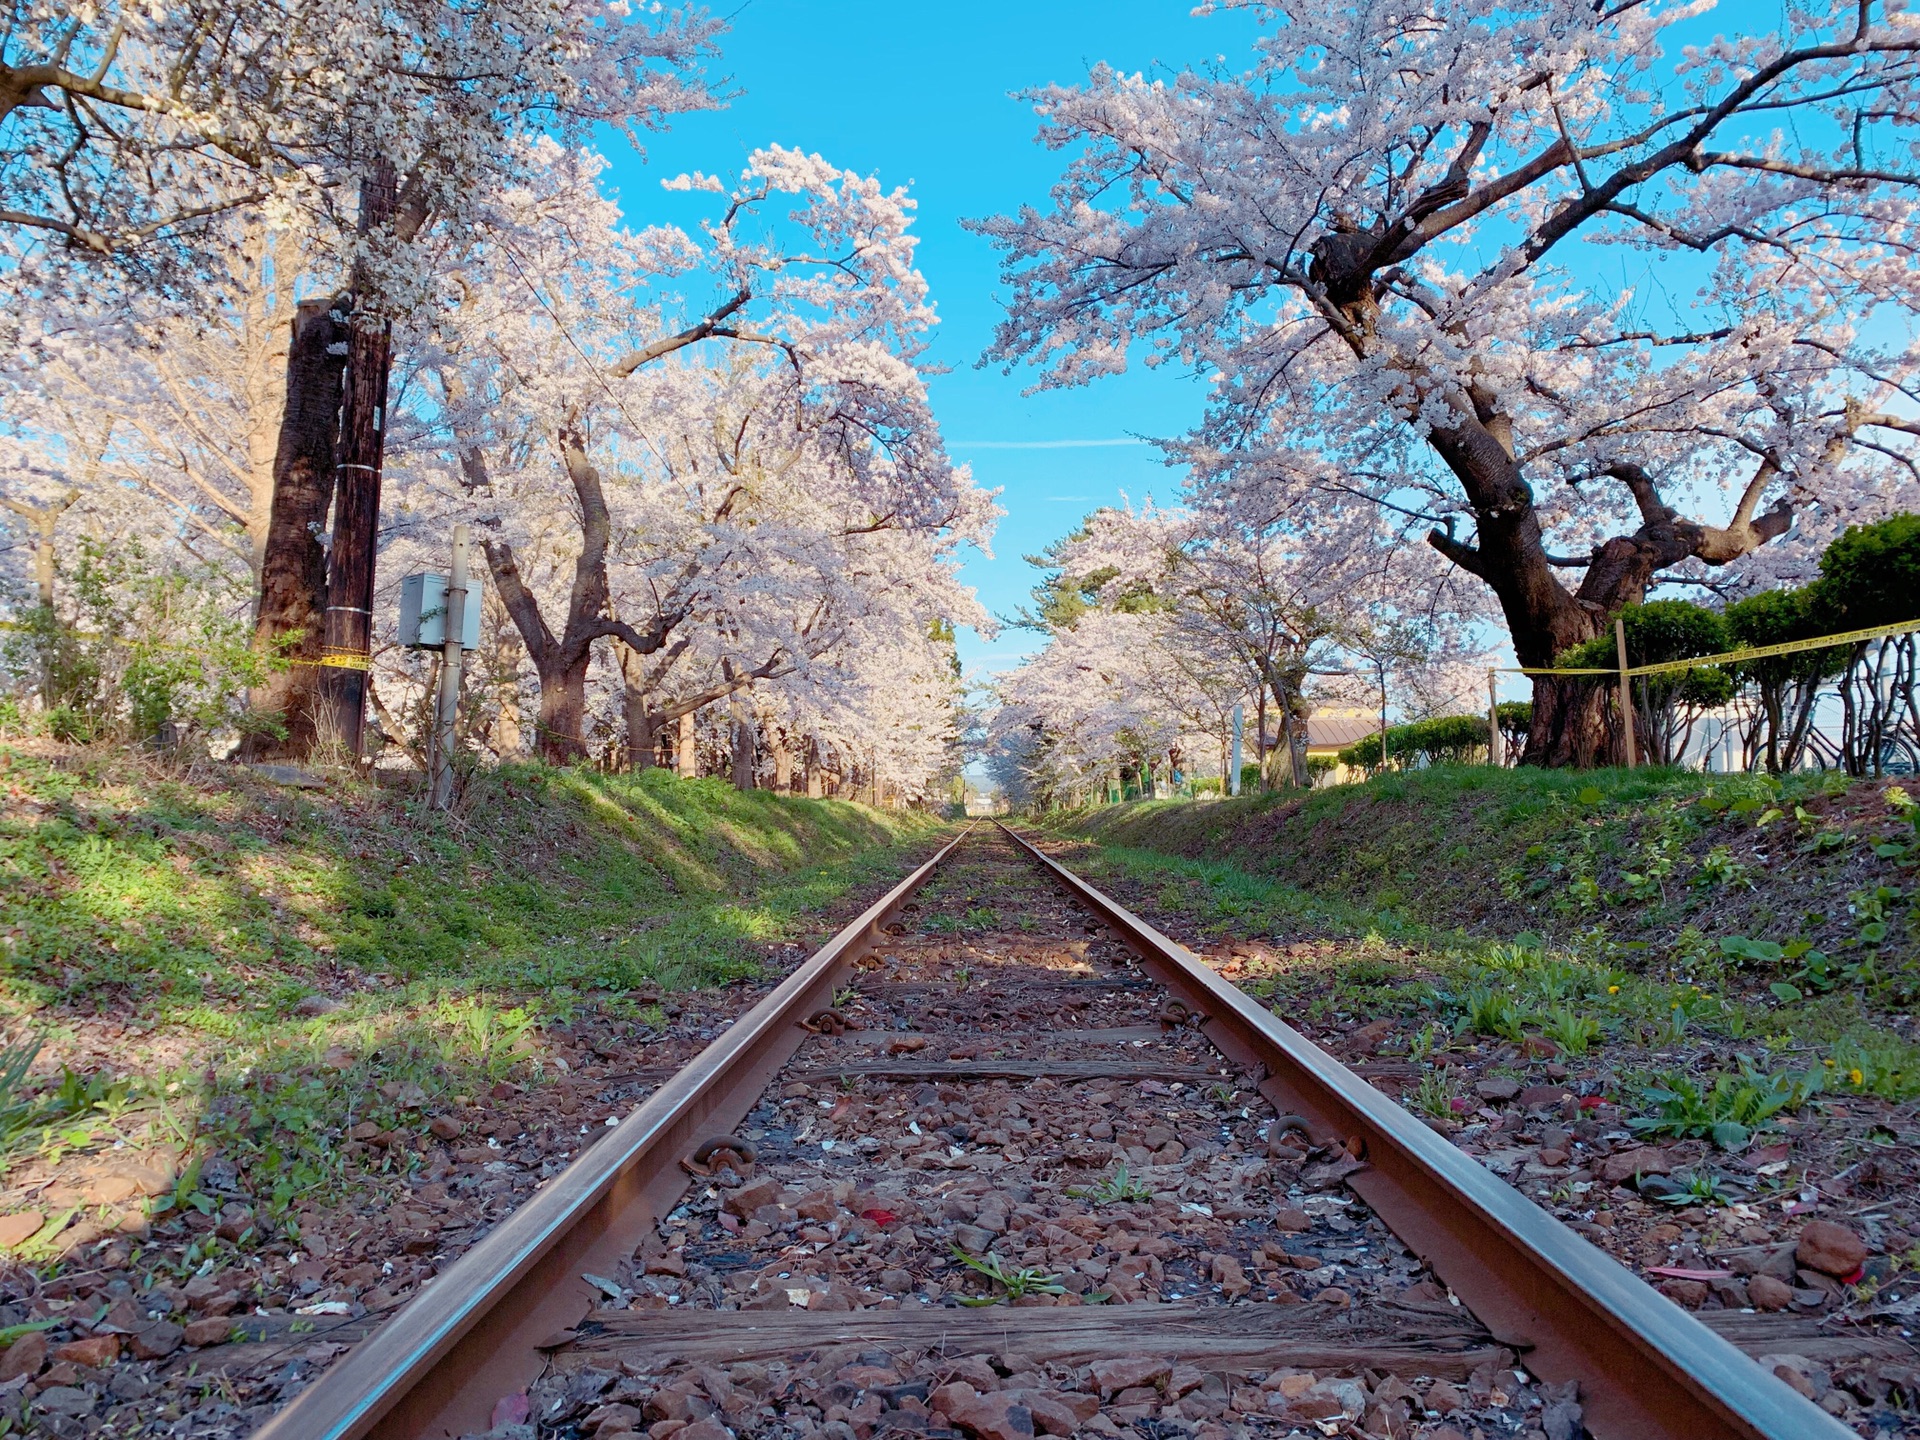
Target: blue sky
x=920 y=94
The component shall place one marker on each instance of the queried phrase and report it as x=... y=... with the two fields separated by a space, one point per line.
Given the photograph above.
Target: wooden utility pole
x=440 y=790
x=358 y=457
x=1626 y=692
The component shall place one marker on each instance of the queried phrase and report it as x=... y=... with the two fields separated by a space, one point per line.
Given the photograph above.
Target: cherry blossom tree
x=1276 y=605
x=1106 y=698
x=747 y=510
x=1392 y=243
x=126 y=127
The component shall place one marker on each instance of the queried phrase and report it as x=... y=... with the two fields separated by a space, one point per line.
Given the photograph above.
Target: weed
x=1014 y=1284
x=1698 y=1187
x=1720 y=868
x=1573 y=1032
x=35 y=1121
x=1434 y=1095
x=1114 y=1189
x=1729 y=1109
x=1487 y=1011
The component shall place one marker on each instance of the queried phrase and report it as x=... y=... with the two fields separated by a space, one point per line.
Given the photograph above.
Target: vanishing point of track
x=1079 y=1018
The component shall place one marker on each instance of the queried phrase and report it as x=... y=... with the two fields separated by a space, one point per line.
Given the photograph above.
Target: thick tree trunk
x=290 y=619
x=563 y=712
x=642 y=724
x=359 y=458
x=506 y=729
x=1572 y=725
x=689 y=756
x=746 y=759
x=782 y=766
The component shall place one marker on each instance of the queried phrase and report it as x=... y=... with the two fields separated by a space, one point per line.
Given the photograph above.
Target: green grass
x=220 y=903
x=200 y=907
x=1810 y=879
x=1597 y=990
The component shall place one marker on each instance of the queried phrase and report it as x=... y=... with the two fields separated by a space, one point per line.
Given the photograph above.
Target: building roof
x=1336 y=732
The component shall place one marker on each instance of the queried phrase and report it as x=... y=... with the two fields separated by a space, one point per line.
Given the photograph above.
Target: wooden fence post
x=1626 y=691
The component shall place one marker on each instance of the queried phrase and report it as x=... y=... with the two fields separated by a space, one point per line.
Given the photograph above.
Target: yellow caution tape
x=1737 y=657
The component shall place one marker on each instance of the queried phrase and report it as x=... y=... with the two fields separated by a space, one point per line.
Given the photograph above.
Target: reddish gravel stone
x=97 y=1351
x=25 y=1356
x=1129 y=1372
x=214 y=1330
x=1831 y=1249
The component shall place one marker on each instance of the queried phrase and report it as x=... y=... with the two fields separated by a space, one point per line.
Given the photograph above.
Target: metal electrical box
x=423 y=612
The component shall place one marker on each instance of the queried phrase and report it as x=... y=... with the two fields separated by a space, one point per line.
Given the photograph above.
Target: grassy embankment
x=1668 y=908
x=202 y=942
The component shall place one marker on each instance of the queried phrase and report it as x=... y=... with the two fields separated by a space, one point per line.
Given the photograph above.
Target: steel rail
x=1646 y=1367
x=477 y=1331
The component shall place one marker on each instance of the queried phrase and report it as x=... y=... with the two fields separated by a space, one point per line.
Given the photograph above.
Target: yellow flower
x=1827 y=1063
x=1613 y=989
x=1855 y=1076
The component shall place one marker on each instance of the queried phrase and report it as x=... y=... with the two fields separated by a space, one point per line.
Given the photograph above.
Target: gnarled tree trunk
x=293 y=565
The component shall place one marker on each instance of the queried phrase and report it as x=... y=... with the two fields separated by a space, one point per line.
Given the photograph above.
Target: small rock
x=1534 y=1095
x=1767 y=1293
x=445 y=1127
x=20 y=1228
x=1831 y=1249
x=1497 y=1087
x=1443 y=1399
x=310 y=1006
x=95 y=1351
x=746 y=1199
x=1333 y=1295
x=1621 y=1167
x=25 y=1356
x=1369 y=1037
x=1292 y=1219
x=972 y=1238
x=1690 y=1293
x=68 y=1400
x=1130 y=1372
x=708 y=1429
x=213 y=1330
x=156 y=1341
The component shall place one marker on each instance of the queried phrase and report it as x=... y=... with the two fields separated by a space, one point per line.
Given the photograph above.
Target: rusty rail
x=477 y=1331
x=1646 y=1367
x=481 y=1329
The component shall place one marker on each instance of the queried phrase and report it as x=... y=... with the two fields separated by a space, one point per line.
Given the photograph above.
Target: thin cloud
x=1041 y=444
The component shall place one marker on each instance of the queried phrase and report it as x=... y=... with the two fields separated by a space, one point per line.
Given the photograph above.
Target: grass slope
x=218 y=900
x=1652 y=913
x=1669 y=864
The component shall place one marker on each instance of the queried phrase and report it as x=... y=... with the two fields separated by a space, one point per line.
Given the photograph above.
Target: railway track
x=932 y=1183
